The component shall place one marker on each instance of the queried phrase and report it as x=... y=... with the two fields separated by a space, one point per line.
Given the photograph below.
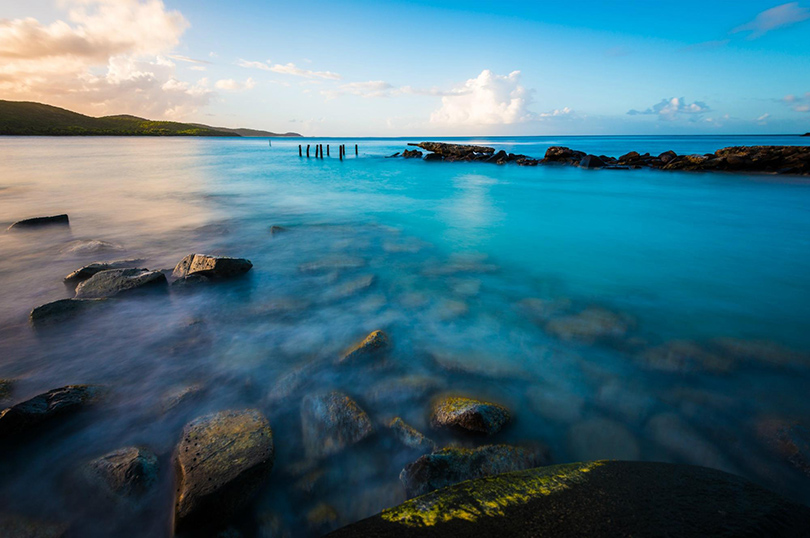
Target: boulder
x=221 y=460
x=412 y=154
x=127 y=473
x=595 y=499
x=6 y=386
x=560 y=154
x=434 y=157
x=589 y=326
x=788 y=439
x=332 y=422
x=667 y=156
x=469 y=415
x=684 y=356
x=25 y=417
x=410 y=437
x=374 y=345
x=39 y=222
x=89 y=270
x=211 y=266
x=60 y=310
x=17 y=526
x=454 y=151
x=277 y=230
x=453 y=465
x=591 y=161
x=116 y=281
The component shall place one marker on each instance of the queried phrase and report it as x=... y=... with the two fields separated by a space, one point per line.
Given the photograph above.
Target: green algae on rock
x=469 y=415
x=128 y=472
x=211 y=266
x=373 y=345
x=410 y=436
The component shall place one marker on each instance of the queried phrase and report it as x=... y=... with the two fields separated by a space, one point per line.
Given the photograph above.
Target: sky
x=394 y=68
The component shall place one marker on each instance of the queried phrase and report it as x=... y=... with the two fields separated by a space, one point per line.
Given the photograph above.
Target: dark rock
x=374 y=345
x=89 y=270
x=16 y=526
x=58 y=403
x=60 y=310
x=667 y=156
x=332 y=422
x=788 y=439
x=115 y=281
x=452 y=465
x=434 y=157
x=410 y=437
x=221 y=461
x=684 y=356
x=560 y=154
x=469 y=415
x=393 y=155
x=211 y=266
x=190 y=282
x=6 y=386
x=499 y=158
x=630 y=157
x=454 y=151
x=277 y=229
x=591 y=161
x=411 y=153
x=38 y=222
x=597 y=499
x=125 y=473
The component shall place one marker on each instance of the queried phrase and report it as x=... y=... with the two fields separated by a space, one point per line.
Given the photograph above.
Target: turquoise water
x=463 y=261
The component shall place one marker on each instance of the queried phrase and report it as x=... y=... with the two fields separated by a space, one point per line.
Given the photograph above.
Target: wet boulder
x=58 y=403
x=412 y=154
x=39 y=222
x=221 y=461
x=561 y=154
x=466 y=414
x=410 y=436
x=591 y=162
x=211 y=266
x=332 y=422
x=127 y=473
x=60 y=310
x=667 y=156
x=597 y=499
x=373 y=345
x=87 y=271
x=117 y=281
x=453 y=465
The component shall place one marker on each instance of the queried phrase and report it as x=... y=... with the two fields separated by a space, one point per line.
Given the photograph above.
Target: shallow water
x=457 y=256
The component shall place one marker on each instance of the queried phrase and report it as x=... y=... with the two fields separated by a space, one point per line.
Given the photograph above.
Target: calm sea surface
x=477 y=272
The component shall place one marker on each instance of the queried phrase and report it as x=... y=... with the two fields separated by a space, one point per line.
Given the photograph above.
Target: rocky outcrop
x=39 y=222
x=89 y=270
x=211 y=266
x=409 y=436
x=332 y=422
x=465 y=414
x=453 y=465
x=596 y=499
x=221 y=461
x=60 y=310
x=127 y=473
x=27 y=416
x=117 y=281
x=374 y=345
x=412 y=153
x=440 y=151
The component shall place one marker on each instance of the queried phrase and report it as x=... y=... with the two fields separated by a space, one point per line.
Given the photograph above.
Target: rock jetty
x=440 y=151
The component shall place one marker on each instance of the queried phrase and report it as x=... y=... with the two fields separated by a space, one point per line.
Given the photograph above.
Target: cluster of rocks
x=440 y=151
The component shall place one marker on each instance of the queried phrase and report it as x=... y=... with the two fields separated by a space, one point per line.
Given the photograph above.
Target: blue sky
x=417 y=68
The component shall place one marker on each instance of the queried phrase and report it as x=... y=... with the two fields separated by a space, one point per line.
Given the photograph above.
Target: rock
x=277 y=230
x=60 y=310
x=332 y=422
x=596 y=499
x=83 y=247
x=374 y=345
x=115 y=281
x=555 y=403
x=455 y=151
x=684 y=356
x=469 y=415
x=333 y=263
x=16 y=526
x=600 y=438
x=672 y=433
x=591 y=161
x=322 y=518
x=6 y=386
x=179 y=395
x=559 y=154
x=25 y=417
x=399 y=390
x=221 y=461
x=412 y=153
x=96 y=267
x=478 y=362
x=434 y=157
x=589 y=326
x=542 y=310
x=393 y=155
x=211 y=266
x=38 y=222
x=629 y=157
x=453 y=465
x=761 y=352
x=790 y=440
x=350 y=288
x=125 y=473
x=667 y=156
x=410 y=437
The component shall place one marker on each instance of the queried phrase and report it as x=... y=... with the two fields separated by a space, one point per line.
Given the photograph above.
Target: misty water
x=477 y=272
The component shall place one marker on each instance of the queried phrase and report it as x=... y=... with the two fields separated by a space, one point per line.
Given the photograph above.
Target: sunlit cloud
x=673 y=108
x=235 y=86
x=488 y=99
x=288 y=69
x=774 y=18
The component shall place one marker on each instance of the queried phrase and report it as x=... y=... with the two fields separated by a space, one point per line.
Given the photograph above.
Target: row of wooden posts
x=319 y=151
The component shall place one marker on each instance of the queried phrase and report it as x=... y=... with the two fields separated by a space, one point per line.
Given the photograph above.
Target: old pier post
x=299 y=151
x=327 y=150
x=307 y=151
x=355 y=150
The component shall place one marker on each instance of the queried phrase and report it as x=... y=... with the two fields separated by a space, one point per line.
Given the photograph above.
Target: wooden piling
x=299 y=151
x=327 y=150
x=307 y=151
x=355 y=150
x=321 y=151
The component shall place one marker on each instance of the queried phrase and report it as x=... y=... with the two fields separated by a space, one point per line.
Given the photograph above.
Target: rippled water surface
x=479 y=273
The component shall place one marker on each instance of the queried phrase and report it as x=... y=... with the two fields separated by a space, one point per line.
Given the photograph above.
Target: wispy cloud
x=774 y=18
x=232 y=85
x=181 y=58
x=288 y=69
x=799 y=103
x=673 y=108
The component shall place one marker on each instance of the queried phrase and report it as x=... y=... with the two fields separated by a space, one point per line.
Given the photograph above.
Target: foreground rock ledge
x=116 y=281
x=221 y=460
x=466 y=414
x=595 y=499
x=38 y=222
x=29 y=415
x=211 y=266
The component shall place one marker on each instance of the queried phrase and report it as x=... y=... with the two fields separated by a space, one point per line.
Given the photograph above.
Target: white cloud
x=109 y=57
x=557 y=113
x=774 y=18
x=673 y=108
x=288 y=69
x=797 y=102
x=230 y=84
x=488 y=99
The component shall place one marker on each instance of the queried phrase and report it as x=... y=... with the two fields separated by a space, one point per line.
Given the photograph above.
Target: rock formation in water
x=27 y=416
x=465 y=414
x=38 y=222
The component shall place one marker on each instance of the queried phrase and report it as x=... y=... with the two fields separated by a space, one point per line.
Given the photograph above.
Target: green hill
x=35 y=119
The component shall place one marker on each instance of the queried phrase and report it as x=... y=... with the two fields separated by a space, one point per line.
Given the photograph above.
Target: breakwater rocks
x=764 y=159
x=599 y=499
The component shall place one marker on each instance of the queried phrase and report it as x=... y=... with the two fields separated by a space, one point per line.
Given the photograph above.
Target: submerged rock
x=469 y=415
x=211 y=266
x=82 y=247
x=6 y=386
x=58 y=403
x=221 y=461
x=125 y=473
x=600 y=438
x=60 y=310
x=115 y=281
x=788 y=439
x=332 y=422
x=374 y=345
x=589 y=326
x=760 y=352
x=322 y=518
x=38 y=222
x=96 y=267
x=16 y=526
x=676 y=436
x=396 y=391
x=411 y=153
x=684 y=356
x=410 y=437
x=179 y=395
x=333 y=263
x=596 y=499
x=542 y=310
x=278 y=229
x=555 y=403
x=453 y=465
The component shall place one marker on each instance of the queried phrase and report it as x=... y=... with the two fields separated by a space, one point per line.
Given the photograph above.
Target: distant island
x=20 y=118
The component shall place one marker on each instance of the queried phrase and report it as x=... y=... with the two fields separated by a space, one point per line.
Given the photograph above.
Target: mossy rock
x=597 y=499
x=374 y=345
x=127 y=473
x=211 y=266
x=466 y=414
